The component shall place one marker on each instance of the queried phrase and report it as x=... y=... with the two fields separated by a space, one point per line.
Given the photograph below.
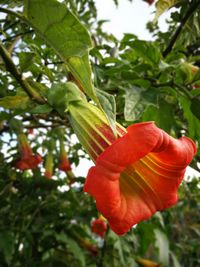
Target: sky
x=128 y=17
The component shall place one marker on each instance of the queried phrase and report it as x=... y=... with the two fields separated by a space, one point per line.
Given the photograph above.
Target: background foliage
x=46 y=223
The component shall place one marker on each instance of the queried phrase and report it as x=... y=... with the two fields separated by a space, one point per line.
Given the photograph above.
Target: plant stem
x=189 y=12
x=10 y=66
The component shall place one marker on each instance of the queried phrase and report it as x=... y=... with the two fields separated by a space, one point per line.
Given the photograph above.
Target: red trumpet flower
x=99 y=227
x=136 y=174
x=28 y=160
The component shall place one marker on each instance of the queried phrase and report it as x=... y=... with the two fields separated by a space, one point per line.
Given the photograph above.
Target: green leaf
x=137 y=100
x=109 y=106
x=195 y=104
x=162 y=6
x=66 y=35
x=58 y=27
x=193 y=122
x=7 y=242
x=72 y=246
x=147 y=50
x=162 y=243
x=146 y=230
x=163 y=115
x=185 y=72
x=14 y=102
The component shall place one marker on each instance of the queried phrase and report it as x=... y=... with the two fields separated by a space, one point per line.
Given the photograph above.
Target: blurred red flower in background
x=99 y=227
x=27 y=160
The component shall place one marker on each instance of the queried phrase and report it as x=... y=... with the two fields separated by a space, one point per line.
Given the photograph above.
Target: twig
x=190 y=11
x=17 y=35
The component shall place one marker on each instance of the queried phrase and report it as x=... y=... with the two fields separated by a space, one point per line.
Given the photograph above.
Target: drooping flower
x=64 y=164
x=136 y=174
x=27 y=160
x=49 y=165
x=99 y=227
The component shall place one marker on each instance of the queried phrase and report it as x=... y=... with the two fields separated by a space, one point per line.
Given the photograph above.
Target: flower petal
x=138 y=175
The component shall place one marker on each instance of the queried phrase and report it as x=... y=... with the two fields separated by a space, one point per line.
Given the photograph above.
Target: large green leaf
x=58 y=27
x=66 y=35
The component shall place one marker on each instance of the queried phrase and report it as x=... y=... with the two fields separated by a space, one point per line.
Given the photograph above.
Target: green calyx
x=91 y=127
